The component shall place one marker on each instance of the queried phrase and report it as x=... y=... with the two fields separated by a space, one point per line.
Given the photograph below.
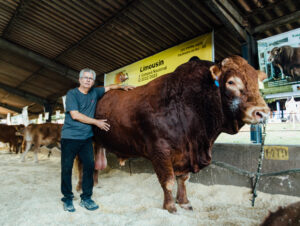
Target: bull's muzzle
x=258 y=114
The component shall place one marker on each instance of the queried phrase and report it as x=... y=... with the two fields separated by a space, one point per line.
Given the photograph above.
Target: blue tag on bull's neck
x=217 y=83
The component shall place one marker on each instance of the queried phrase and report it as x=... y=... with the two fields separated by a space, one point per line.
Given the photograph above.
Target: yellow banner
x=276 y=152
x=143 y=71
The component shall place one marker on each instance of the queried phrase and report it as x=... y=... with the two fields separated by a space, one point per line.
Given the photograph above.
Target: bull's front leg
x=165 y=173
x=181 y=197
x=23 y=146
x=28 y=146
x=35 y=151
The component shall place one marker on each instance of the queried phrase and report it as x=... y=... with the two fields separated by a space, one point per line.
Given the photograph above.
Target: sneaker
x=89 y=204
x=68 y=206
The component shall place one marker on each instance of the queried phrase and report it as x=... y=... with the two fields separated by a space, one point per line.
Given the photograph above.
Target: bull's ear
x=215 y=72
x=279 y=50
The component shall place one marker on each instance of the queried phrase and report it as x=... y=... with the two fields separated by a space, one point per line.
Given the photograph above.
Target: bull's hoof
x=122 y=161
x=171 y=208
x=22 y=160
x=186 y=206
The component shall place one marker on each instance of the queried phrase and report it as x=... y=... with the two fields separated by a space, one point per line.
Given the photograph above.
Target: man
x=77 y=137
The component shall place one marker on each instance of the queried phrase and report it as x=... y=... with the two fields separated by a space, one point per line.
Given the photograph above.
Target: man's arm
x=117 y=86
x=101 y=123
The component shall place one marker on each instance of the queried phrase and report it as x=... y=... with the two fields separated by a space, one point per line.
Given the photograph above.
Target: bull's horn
x=225 y=61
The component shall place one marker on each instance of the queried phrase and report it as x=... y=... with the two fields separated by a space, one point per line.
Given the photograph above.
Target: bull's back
x=43 y=133
x=119 y=103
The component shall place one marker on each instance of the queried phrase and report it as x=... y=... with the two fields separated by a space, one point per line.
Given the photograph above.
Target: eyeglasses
x=87 y=78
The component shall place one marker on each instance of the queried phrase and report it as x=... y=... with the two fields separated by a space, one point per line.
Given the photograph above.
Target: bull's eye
x=230 y=82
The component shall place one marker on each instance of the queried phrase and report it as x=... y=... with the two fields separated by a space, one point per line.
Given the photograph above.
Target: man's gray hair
x=89 y=71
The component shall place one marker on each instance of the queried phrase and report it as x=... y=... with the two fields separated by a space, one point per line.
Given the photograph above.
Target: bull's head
x=274 y=53
x=239 y=90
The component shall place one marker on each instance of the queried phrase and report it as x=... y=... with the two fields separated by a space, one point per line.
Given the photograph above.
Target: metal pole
x=260 y=161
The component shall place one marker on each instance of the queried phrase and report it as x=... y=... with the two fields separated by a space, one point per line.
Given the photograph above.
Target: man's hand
x=117 y=86
x=128 y=87
x=102 y=124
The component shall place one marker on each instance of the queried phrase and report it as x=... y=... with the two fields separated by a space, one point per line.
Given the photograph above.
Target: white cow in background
x=293 y=110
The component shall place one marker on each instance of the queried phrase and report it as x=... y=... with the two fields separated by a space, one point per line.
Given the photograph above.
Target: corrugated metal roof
x=258 y=12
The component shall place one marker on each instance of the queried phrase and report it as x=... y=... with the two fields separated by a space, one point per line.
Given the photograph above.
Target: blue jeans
x=84 y=149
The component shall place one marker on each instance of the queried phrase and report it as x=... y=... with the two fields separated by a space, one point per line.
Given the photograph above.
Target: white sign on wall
x=25 y=116
x=8 y=122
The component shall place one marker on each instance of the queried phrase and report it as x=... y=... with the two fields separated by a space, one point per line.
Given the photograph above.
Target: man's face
x=87 y=80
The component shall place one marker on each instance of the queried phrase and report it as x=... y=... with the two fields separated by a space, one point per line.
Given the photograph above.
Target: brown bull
x=284 y=216
x=174 y=120
x=287 y=59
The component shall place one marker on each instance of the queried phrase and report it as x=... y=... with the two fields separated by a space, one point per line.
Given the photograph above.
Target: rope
x=233 y=168
x=251 y=174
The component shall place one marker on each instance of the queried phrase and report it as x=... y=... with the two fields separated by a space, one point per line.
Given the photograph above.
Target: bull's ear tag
x=215 y=73
x=217 y=82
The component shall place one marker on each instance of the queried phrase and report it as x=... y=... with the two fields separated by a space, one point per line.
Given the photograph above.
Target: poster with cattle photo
x=279 y=58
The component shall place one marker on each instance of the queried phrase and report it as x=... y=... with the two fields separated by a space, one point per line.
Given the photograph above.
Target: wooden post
x=48 y=107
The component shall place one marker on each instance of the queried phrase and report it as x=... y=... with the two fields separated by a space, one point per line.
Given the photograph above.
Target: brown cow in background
x=40 y=134
x=8 y=135
x=174 y=120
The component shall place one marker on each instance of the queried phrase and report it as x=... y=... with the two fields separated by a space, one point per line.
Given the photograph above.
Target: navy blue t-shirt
x=85 y=104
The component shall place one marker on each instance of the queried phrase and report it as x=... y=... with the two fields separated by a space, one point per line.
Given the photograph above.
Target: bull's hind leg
x=164 y=171
x=181 y=197
x=95 y=176
x=79 y=170
x=10 y=147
